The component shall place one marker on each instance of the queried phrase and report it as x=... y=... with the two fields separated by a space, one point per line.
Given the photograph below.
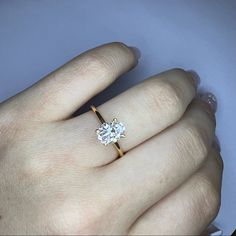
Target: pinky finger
x=190 y=208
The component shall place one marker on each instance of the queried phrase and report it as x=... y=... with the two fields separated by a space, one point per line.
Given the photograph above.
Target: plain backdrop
x=36 y=37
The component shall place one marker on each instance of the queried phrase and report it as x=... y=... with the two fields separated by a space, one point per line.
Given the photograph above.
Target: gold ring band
x=101 y=119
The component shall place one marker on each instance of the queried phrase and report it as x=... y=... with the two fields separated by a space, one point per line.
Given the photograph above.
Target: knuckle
x=172 y=94
x=107 y=60
x=97 y=63
x=172 y=100
x=72 y=218
x=120 y=57
x=164 y=97
x=63 y=219
x=193 y=143
x=41 y=156
x=209 y=197
x=36 y=168
x=9 y=125
x=4 y=127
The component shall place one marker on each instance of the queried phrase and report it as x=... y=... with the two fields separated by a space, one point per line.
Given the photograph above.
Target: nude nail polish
x=212 y=230
x=194 y=77
x=210 y=100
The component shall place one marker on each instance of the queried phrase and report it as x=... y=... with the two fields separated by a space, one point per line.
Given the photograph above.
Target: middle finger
x=152 y=170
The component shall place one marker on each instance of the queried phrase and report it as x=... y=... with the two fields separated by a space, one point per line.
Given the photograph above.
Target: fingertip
x=209 y=99
x=195 y=78
x=136 y=52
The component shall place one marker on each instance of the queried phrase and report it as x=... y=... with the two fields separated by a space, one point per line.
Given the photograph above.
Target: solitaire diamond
x=110 y=132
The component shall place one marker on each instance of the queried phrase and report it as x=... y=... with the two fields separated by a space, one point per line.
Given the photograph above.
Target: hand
x=56 y=178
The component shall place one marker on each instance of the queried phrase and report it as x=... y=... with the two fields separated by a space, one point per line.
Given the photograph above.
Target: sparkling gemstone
x=110 y=132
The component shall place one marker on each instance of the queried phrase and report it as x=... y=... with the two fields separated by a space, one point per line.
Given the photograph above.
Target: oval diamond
x=110 y=132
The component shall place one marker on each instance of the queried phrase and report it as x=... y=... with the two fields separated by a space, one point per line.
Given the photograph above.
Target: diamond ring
x=110 y=132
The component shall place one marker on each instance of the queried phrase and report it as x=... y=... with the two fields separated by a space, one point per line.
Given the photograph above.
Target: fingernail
x=216 y=144
x=195 y=78
x=212 y=230
x=210 y=100
x=136 y=52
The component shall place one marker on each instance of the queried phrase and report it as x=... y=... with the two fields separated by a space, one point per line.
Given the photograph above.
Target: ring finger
x=145 y=110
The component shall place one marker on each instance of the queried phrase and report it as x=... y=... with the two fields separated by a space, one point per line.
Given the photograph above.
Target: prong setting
x=110 y=132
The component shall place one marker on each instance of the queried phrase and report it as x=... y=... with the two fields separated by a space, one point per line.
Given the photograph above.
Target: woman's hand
x=56 y=178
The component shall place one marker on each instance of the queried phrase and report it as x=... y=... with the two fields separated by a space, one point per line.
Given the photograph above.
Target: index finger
x=63 y=91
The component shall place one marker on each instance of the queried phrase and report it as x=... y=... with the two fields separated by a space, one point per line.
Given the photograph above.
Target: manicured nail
x=212 y=230
x=216 y=144
x=195 y=78
x=209 y=99
x=136 y=52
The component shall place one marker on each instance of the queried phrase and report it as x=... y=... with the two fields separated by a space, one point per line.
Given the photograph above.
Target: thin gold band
x=116 y=144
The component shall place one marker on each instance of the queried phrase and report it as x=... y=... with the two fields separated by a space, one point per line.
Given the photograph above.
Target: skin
x=56 y=178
